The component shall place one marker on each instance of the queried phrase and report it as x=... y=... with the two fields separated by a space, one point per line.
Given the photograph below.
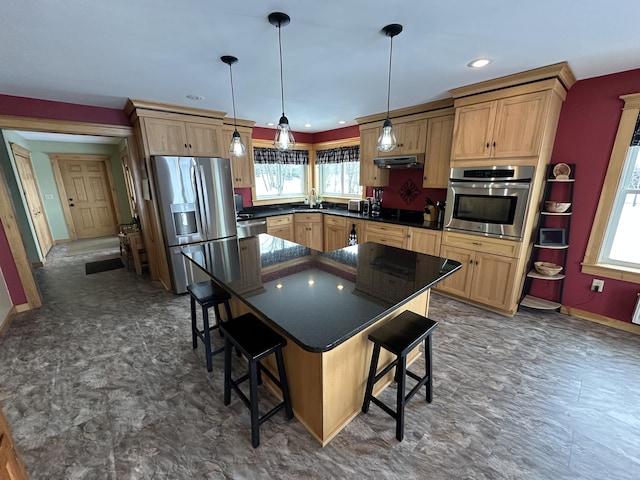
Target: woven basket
x=548 y=269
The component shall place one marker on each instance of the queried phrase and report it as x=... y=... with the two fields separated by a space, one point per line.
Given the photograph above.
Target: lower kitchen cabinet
x=11 y=467
x=484 y=278
x=281 y=226
x=308 y=229
x=386 y=234
x=251 y=274
x=423 y=240
x=336 y=233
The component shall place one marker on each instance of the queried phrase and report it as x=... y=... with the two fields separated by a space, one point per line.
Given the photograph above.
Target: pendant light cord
x=233 y=98
x=281 y=76
x=389 y=83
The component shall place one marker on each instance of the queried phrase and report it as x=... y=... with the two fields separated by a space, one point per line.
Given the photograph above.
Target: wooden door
x=11 y=468
x=166 y=137
x=89 y=197
x=493 y=280
x=459 y=283
x=412 y=137
x=473 y=131
x=31 y=191
x=205 y=140
x=438 y=159
x=519 y=125
x=423 y=240
x=370 y=175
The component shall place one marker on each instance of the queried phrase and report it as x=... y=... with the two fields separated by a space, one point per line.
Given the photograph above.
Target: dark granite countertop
x=318 y=299
x=396 y=216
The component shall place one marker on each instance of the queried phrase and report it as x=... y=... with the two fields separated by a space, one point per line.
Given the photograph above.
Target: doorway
x=87 y=192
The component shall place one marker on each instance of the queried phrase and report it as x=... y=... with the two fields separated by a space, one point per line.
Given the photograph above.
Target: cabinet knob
x=470 y=262
x=488 y=144
x=494 y=144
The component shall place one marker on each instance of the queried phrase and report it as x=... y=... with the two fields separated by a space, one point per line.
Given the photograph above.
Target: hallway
x=102 y=383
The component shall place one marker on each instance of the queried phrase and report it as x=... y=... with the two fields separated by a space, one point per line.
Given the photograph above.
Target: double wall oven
x=490 y=201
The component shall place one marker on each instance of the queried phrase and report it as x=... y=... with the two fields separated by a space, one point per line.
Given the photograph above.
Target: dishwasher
x=248 y=227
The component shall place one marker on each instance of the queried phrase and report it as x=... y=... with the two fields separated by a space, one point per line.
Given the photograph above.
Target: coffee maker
x=376 y=204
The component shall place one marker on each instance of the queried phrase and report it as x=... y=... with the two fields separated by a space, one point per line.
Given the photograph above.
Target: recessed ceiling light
x=195 y=97
x=270 y=124
x=479 y=62
x=307 y=125
x=342 y=122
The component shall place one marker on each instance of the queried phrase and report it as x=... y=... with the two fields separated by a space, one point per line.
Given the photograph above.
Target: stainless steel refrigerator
x=195 y=201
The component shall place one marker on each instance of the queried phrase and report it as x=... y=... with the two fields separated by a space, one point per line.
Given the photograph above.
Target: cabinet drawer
x=386 y=229
x=279 y=220
x=335 y=221
x=308 y=217
x=496 y=246
x=386 y=239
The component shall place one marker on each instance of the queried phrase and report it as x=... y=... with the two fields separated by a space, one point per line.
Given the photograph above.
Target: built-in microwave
x=490 y=201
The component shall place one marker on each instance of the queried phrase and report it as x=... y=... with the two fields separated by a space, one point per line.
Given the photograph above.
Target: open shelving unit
x=557 y=188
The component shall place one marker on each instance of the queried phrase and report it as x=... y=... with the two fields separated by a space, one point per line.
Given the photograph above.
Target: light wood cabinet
x=309 y=230
x=386 y=234
x=411 y=137
x=505 y=128
x=242 y=167
x=370 y=175
x=423 y=240
x=336 y=232
x=438 y=157
x=281 y=226
x=11 y=468
x=176 y=137
x=489 y=270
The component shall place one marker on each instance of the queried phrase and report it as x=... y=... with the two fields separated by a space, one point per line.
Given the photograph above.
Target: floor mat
x=103 y=265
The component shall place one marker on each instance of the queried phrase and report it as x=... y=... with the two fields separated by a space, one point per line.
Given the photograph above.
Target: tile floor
x=102 y=383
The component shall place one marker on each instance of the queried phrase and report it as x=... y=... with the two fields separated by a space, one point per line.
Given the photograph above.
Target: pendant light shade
x=387 y=139
x=284 y=138
x=236 y=148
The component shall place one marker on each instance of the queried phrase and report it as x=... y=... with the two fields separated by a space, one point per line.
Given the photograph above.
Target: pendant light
x=387 y=139
x=284 y=138
x=236 y=148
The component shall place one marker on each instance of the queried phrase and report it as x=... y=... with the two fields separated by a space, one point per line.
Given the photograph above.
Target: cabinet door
x=11 y=467
x=411 y=137
x=370 y=175
x=242 y=167
x=250 y=263
x=335 y=237
x=473 y=131
x=493 y=280
x=281 y=231
x=166 y=137
x=438 y=158
x=458 y=283
x=422 y=240
x=205 y=140
x=302 y=234
x=316 y=234
x=519 y=125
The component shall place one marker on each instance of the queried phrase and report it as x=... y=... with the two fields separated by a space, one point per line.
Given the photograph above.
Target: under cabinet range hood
x=401 y=161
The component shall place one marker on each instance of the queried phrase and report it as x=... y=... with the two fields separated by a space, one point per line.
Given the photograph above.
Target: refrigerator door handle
x=195 y=181
x=205 y=200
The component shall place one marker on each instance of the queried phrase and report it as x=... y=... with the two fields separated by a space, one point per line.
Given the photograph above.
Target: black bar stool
x=255 y=341
x=399 y=336
x=208 y=295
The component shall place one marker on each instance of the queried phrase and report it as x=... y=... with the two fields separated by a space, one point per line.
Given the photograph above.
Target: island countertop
x=318 y=299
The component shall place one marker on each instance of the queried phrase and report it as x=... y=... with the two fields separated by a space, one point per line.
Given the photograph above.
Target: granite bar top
x=318 y=299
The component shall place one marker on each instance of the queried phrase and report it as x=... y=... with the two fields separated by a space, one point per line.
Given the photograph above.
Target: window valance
x=274 y=156
x=338 y=155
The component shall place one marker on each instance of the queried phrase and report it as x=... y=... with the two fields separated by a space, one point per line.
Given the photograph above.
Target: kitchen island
x=324 y=303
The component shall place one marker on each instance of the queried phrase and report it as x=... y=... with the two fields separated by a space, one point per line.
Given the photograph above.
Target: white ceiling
x=335 y=58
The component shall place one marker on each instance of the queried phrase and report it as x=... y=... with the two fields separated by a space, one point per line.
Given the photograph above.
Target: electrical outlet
x=597 y=285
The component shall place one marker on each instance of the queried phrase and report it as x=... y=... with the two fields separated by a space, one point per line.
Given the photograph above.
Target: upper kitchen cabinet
x=370 y=175
x=510 y=118
x=242 y=167
x=438 y=156
x=419 y=130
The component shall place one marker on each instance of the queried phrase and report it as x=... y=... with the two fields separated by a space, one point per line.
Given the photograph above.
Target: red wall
x=405 y=191
x=10 y=272
x=33 y=107
x=586 y=132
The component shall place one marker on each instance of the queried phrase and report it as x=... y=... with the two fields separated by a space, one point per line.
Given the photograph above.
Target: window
x=338 y=172
x=280 y=173
x=612 y=251
x=621 y=236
